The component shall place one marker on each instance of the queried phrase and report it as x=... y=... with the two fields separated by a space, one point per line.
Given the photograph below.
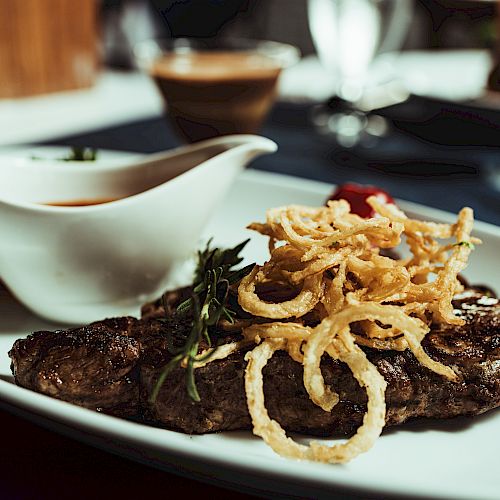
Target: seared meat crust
x=113 y=365
x=90 y=366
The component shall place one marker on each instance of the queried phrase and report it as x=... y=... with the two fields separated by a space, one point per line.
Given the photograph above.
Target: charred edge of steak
x=93 y=366
x=113 y=366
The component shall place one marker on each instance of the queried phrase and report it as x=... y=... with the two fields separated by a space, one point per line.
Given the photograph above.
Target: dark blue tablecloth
x=408 y=162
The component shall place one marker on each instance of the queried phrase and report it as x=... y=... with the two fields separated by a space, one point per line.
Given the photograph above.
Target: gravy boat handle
x=203 y=151
x=235 y=151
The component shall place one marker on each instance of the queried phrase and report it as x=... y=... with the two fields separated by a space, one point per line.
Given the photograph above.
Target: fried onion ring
x=309 y=296
x=274 y=435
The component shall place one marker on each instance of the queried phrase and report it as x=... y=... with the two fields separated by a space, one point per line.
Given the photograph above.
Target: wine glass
x=348 y=35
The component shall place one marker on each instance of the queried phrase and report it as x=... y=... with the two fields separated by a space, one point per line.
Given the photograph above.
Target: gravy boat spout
x=82 y=241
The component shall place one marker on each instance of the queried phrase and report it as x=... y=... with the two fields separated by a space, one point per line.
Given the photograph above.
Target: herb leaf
x=163 y=375
x=465 y=244
x=213 y=277
x=77 y=153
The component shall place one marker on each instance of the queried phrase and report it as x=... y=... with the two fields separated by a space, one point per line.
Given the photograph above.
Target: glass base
x=349 y=125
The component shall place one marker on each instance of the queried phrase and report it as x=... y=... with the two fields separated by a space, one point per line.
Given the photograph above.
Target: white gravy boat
x=80 y=264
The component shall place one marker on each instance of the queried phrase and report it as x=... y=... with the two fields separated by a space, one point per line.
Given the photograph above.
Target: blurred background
x=400 y=93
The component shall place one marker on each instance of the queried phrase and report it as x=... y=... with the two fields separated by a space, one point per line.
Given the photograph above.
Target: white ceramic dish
x=76 y=264
x=449 y=459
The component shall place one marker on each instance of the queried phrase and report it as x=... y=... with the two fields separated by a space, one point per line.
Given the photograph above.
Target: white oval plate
x=439 y=459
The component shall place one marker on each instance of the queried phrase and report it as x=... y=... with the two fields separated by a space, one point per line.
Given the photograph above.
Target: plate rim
x=116 y=428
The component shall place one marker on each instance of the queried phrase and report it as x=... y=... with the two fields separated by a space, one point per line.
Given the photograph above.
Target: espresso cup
x=213 y=88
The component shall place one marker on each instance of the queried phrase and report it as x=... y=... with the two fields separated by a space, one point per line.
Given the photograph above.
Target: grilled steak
x=89 y=366
x=112 y=366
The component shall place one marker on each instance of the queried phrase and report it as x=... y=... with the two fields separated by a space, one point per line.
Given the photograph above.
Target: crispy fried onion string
x=328 y=288
x=323 y=335
x=220 y=352
x=274 y=435
x=308 y=297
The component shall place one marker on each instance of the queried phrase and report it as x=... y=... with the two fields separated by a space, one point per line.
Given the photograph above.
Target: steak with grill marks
x=112 y=366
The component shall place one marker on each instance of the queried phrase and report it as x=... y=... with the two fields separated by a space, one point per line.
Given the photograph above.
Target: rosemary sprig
x=207 y=305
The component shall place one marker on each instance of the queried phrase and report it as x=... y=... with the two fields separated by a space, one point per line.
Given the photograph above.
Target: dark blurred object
x=126 y=22
x=279 y=20
x=198 y=18
x=459 y=23
x=408 y=168
x=461 y=125
x=447 y=24
x=494 y=77
x=47 y=46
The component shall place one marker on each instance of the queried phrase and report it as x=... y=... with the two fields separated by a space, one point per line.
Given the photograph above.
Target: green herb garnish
x=465 y=244
x=77 y=153
x=213 y=276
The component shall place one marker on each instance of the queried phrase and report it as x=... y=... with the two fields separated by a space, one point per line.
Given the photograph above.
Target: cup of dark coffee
x=212 y=87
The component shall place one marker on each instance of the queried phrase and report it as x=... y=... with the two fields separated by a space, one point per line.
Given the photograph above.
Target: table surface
x=38 y=463
x=437 y=153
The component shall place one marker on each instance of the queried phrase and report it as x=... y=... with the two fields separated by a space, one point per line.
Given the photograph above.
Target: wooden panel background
x=47 y=46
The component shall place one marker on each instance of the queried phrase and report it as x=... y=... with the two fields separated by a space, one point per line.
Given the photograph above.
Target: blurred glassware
x=348 y=35
x=124 y=23
x=215 y=87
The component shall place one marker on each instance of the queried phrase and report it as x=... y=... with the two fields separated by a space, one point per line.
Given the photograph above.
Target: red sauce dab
x=356 y=195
